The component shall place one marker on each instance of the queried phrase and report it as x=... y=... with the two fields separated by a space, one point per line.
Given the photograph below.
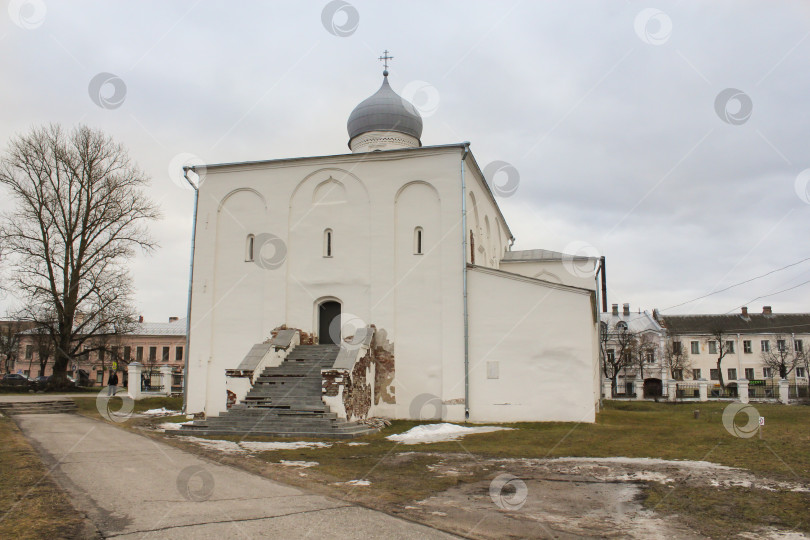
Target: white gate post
x=672 y=390
x=134 y=380
x=742 y=390
x=166 y=379
x=784 y=389
x=607 y=388
x=704 y=389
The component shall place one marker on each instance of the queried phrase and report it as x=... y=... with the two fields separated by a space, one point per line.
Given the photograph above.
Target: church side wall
x=573 y=273
x=532 y=351
x=488 y=230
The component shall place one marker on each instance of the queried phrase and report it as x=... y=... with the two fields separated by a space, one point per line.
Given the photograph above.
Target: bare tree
x=722 y=348
x=783 y=358
x=80 y=214
x=43 y=346
x=676 y=358
x=617 y=347
x=644 y=351
x=10 y=343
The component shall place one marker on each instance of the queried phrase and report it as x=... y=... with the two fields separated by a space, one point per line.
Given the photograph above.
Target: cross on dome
x=385 y=58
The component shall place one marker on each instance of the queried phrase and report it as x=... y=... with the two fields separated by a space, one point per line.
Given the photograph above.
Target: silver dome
x=385 y=111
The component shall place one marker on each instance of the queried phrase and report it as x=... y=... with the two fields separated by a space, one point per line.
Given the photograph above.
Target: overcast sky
x=613 y=114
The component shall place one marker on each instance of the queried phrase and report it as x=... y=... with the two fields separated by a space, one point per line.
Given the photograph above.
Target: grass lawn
x=399 y=473
x=33 y=506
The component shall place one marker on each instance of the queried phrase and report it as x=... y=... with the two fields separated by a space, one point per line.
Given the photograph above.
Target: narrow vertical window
x=472 y=248
x=327 y=243
x=249 y=248
x=417 y=241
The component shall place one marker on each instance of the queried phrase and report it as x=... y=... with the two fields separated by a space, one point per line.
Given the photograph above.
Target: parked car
x=16 y=379
x=42 y=381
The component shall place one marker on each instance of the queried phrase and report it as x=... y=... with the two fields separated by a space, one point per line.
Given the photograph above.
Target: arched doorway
x=653 y=388
x=327 y=311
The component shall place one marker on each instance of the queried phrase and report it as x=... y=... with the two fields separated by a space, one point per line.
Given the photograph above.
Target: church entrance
x=326 y=314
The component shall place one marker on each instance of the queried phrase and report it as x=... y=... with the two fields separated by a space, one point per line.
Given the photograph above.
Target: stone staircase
x=45 y=406
x=285 y=401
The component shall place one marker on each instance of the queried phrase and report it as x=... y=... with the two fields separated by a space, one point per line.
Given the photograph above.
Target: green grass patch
x=33 y=506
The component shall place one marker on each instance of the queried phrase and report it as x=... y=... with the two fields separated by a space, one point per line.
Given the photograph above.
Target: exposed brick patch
x=331 y=381
x=230 y=399
x=383 y=355
x=357 y=396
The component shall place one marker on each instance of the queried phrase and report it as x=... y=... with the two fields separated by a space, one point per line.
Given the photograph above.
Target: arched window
x=327 y=243
x=251 y=239
x=417 y=241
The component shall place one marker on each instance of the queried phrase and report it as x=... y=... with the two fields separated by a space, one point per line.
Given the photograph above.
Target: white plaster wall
x=544 y=341
x=373 y=270
x=574 y=273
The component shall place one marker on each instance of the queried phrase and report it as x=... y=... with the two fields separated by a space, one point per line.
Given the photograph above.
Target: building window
x=127 y=354
x=676 y=347
x=677 y=374
x=766 y=345
x=767 y=372
x=152 y=355
x=780 y=345
x=621 y=326
x=114 y=351
x=696 y=374
x=800 y=372
x=712 y=347
x=730 y=347
x=695 y=347
x=472 y=247
x=417 y=241
x=26 y=373
x=798 y=346
x=747 y=346
x=99 y=376
x=29 y=352
x=165 y=354
x=749 y=373
x=139 y=354
x=249 y=245
x=327 y=243
x=732 y=374
x=101 y=355
x=650 y=357
x=714 y=374
x=178 y=353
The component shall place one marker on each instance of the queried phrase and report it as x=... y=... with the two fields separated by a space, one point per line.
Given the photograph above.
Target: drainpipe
x=464 y=284
x=190 y=280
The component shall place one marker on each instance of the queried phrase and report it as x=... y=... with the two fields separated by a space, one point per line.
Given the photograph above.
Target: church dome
x=385 y=111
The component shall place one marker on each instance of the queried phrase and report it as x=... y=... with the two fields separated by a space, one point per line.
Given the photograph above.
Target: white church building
x=398 y=256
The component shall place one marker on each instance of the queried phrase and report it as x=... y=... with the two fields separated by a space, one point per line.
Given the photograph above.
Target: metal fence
x=151 y=381
x=687 y=390
x=766 y=390
x=718 y=391
x=800 y=392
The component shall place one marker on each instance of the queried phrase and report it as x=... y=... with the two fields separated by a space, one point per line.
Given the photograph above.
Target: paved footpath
x=132 y=486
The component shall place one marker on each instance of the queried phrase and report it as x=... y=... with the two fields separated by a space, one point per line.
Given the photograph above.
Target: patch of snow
x=358 y=483
x=304 y=464
x=215 y=444
x=163 y=411
x=172 y=426
x=649 y=461
x=254 y=446
x=431 y=433
x=356 y=444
